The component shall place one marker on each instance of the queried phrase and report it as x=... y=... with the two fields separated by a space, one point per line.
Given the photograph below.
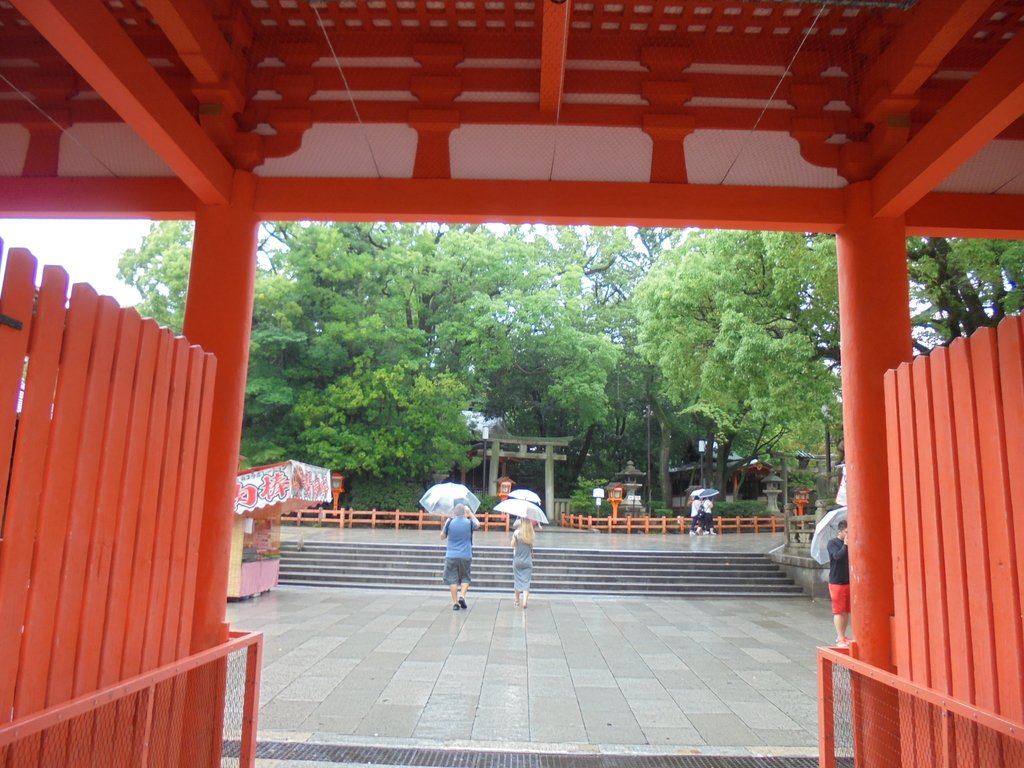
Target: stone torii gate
x=550 y=449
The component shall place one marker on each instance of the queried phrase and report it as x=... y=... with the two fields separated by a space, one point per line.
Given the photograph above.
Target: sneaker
x=462 y=602
x=842 y=642
x=455 y=606
x=692 y=533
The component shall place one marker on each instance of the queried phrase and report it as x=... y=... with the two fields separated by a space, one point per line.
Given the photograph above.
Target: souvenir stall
x=262 y=495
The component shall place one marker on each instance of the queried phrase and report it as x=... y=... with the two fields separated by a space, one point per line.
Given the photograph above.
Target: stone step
x=589 y=555
x=552 y=570
x=709 y=590
x=566 y=571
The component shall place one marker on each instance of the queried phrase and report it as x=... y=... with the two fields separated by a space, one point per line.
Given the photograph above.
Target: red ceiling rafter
x=985 y=107
x=553 y=55
x=99 y=49
x=195 y=36
x=189 y=88
x=911 y=58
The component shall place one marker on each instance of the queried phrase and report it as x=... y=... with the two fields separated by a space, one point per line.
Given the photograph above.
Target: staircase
x=566 y=571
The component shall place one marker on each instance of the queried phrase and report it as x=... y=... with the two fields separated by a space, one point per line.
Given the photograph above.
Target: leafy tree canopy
x=738 y=324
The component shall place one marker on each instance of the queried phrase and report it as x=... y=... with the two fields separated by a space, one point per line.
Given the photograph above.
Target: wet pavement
x=574 y=675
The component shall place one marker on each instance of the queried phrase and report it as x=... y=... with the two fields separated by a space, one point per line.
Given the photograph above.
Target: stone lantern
x=632 y=504
x=773 y=487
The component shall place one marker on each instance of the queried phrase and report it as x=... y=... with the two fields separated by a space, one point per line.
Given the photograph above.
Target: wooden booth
x=262 y=495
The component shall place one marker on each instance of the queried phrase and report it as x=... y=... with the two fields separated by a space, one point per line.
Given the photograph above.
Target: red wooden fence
x=104 y=425
x=955 y=431
x=956 y=460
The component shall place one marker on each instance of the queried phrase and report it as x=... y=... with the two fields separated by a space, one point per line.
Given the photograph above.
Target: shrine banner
x=278 y=483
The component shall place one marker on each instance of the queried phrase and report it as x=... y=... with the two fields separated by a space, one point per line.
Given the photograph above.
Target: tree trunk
x=722 y=466
x=581 y=457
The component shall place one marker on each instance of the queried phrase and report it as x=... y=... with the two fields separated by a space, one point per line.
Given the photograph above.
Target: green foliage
x=958 y=286
x=659 y=509
x=366 y=492
x=742 y=326
x=388 y=422
x=368 y=340
x=159 y=271
x=581 y=501
x=800 y=478
x=487 y=502
x=750 y=508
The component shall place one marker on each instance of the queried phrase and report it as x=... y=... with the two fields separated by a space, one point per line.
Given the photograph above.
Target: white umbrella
x=696 y=492
x=522 y=508
x=443 y=498
x=707 y=493
x=526 y=495
x=826 y=530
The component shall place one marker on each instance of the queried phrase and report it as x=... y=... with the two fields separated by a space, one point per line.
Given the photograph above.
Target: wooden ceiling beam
x=553 y=52
x=943 y=214
x=87 y=198
x=801 y=210
x=983 y=109
x=196 y=36
x=930 y=32
x=515 y=202
x=92 y=41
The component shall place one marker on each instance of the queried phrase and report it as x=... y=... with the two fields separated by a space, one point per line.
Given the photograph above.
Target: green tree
x=158 y=269
x=958 y=286
x=740 y=325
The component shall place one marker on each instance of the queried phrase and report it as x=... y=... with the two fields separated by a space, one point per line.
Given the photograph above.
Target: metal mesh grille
x=110 y=736
x=883 y=726
x=398 y=756
x=234 y=700
x=177 y=721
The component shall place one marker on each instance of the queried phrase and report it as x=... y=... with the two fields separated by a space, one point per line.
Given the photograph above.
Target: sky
x=88 y=249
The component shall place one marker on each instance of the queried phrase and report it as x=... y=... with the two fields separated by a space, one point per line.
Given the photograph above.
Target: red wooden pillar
x=218 y=316
x=874 y=317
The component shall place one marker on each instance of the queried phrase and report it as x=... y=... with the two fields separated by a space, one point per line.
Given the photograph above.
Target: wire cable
x=63 y=131
x=348 y=90
x=782 y=78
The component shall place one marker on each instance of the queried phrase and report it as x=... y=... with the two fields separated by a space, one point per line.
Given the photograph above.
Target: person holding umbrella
x=839 y=583
x=523 y=539
x=695 y=505
x=706 y=518
x=458 y=556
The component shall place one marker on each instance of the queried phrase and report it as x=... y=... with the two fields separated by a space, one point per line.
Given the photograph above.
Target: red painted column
x=218 y=317
x=874 y=321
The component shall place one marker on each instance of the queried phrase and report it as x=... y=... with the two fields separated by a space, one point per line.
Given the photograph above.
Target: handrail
x=40 y=721
x=677 y=523
x=942 y=700
x=391 y=518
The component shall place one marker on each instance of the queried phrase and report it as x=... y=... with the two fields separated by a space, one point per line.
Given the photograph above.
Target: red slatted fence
x=104 y=426
x=956 y=472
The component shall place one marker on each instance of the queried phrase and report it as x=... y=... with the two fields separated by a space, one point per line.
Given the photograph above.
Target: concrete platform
x=570 y=675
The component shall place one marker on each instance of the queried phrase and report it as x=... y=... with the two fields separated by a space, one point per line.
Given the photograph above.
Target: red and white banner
x=277 y=483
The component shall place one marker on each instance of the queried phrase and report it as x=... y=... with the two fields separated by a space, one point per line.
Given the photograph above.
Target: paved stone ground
x=580 y=674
